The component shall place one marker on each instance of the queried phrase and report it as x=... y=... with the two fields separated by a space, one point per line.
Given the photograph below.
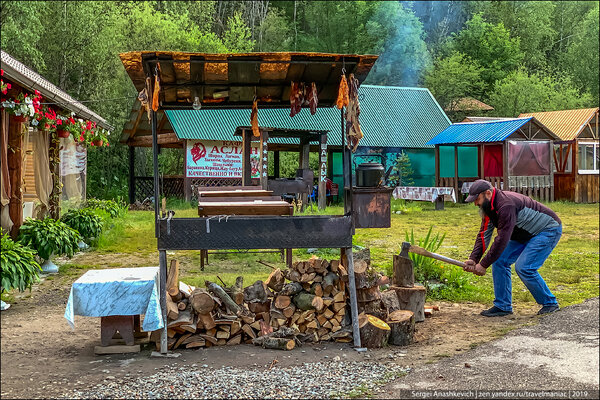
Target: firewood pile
x=306 y=303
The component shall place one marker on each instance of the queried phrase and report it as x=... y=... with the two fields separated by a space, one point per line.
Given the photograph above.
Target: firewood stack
x=310 y=307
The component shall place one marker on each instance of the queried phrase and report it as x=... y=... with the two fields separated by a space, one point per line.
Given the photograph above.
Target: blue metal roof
x=479 y=132
x=390 y=117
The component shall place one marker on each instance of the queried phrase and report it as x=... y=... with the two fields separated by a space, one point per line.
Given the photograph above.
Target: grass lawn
x=571 y=271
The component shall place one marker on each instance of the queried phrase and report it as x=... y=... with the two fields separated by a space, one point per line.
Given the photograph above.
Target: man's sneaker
x=548 y=309
x=495 y=312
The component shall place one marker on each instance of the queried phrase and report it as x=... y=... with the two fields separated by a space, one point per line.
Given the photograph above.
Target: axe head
x=404 y=251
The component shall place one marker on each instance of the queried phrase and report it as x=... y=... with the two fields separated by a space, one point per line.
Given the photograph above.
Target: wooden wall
x=29 y=193
x=586 y=188
x=564 y=187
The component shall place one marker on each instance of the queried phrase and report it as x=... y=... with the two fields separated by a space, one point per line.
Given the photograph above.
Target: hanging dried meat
x=155 y=94
x=313 y=99
x=353 y=131
x=254 y=119
x=342 y=99
x=296 y=98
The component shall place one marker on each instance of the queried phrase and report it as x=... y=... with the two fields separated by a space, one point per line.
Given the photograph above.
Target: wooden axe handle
x=423 y=252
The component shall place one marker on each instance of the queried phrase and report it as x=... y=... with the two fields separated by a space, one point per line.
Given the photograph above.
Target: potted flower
x=61 y=127
x=100 y=137
x=21 y=107
x=73 y=126
x=19 y=267
x=49 y=238
x=4 y=87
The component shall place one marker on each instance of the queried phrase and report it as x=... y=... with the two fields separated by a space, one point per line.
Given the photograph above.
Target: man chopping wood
x=528 y=231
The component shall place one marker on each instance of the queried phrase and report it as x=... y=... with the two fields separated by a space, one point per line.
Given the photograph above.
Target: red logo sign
x=198 y=152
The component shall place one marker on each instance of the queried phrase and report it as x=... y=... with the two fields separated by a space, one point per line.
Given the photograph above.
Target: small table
x=436 y=195
x=119 y=296
x=250 y=207
x=235 y=193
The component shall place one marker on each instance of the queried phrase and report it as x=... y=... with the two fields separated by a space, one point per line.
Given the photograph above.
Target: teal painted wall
x=467 y=162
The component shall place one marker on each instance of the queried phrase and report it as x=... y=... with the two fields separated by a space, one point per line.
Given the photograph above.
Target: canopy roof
x=234 y=80
x=569 y=124
x=494 y=131
x=390 y=117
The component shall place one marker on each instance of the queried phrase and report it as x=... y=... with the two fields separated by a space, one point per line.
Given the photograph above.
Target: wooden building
x=513 y=154
x=34 y=181
x=576 y=153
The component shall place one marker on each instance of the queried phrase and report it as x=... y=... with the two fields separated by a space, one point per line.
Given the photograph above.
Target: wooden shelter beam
x=246 y=150
x=146 y=141
x=481 y=161
x=137 y=122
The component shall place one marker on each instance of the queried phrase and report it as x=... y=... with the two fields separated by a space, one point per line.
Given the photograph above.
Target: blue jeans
x=528 y=258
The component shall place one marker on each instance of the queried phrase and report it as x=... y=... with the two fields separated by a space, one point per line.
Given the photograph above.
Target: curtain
x=528 y=158
x=41 y=168
x=493 y=164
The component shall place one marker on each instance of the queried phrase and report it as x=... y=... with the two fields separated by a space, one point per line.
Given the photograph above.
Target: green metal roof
x=389 y=117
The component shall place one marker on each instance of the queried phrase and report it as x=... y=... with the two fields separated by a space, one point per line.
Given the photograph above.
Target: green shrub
x=426 y=268
x=48 y=236
x=112 y=207
x=86 y=221
x=19 y=268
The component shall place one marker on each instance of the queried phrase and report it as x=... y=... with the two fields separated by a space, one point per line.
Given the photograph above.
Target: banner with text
x=218 y=159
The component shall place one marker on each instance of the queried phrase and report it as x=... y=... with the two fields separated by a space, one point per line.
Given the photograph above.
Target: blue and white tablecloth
x=121 y=291
x=424 y=193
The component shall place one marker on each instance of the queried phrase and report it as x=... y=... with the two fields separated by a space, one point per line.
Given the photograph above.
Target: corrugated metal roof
x=479 y=132
x=566 y=124
x=484 y=119
x=390 y=117
x=18 y=72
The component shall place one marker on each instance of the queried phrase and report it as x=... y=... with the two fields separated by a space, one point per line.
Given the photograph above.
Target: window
x=564 y=157
x=589 y=158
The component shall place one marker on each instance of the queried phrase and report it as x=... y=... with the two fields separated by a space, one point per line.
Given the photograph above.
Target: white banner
x=218 y=159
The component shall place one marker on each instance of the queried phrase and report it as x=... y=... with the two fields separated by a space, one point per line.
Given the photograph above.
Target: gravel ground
x=309 y=380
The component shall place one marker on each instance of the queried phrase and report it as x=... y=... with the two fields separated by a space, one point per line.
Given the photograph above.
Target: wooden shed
x=513 y=154
x=576 y=153
x=39 y=169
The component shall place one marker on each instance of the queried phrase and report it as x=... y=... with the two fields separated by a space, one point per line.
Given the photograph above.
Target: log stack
x=309 y=307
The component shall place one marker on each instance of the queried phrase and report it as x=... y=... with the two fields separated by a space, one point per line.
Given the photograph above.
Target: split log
x=327 y=313
x=185 y=289
x=290 y=289
x=339 y=297
x=293 y=275
x=374 y=332
x=368 y=294
x=308 y=277
x=256 y=293
x=222 y=335
x=334 y=265
x=221 y=342
x=265 y=328
x=342 y=336
x=338 y=306
x=209 y=338
x=275 y=280
x=402 y=325
x=236 y=292
x=303 y=301
x=234 y=340
x=249 y=331
x=316 y=289
x=327 y=301
x=196 y=343
x=289 y=311
x=275 y=343
x=403 y=272
x=180 y=340
x=172 y=310
x=236 y=326
x=202 y=302
x=330 y=280
x=258 y=308
x=207 y=321
x=220 y=293
x=413 y=299
x=317 y=303
x=248 y=319
x=185 y=317
x=173 y=281
x=282 y=302
x=194 y=338
x=390 y=301
x=374 y=308
x=190 y=327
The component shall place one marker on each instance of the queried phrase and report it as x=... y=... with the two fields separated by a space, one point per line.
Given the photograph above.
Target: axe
x=407 y=247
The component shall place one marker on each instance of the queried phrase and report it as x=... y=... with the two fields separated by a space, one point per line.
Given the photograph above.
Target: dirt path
x=42 y=357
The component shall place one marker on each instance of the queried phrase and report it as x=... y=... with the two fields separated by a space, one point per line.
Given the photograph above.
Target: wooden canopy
x=235 y=80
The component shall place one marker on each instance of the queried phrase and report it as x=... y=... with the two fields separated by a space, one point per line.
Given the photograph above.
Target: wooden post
x=187 y=182
x=347 y=254
x=15 y=173
x=303 y=161
x=403 y=271
x=437 y=165
x=323 y=171
x=459 y=198
x=551 y=145
x=131 y=174
x=276 y=164
x=481 y=161
x=505 y=165
x=263 y=159
x=54 y=200
x=246 y=150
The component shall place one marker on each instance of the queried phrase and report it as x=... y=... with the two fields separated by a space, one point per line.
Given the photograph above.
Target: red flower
x=88 y=125
x=58 y=122
x=37 y=92
x=107 y=144
x=8 y=85
x=72 y=120
x=1 y=72
x=81 y=138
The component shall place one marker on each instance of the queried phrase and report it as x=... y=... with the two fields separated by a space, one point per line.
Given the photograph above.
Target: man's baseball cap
x=479 y=186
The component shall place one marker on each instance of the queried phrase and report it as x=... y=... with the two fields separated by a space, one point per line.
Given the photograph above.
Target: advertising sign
x=218 y=159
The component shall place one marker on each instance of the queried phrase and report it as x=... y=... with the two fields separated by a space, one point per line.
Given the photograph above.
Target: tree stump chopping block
x=412 y=299
x=402 y=325
x=374 y=332
x=111 y=324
